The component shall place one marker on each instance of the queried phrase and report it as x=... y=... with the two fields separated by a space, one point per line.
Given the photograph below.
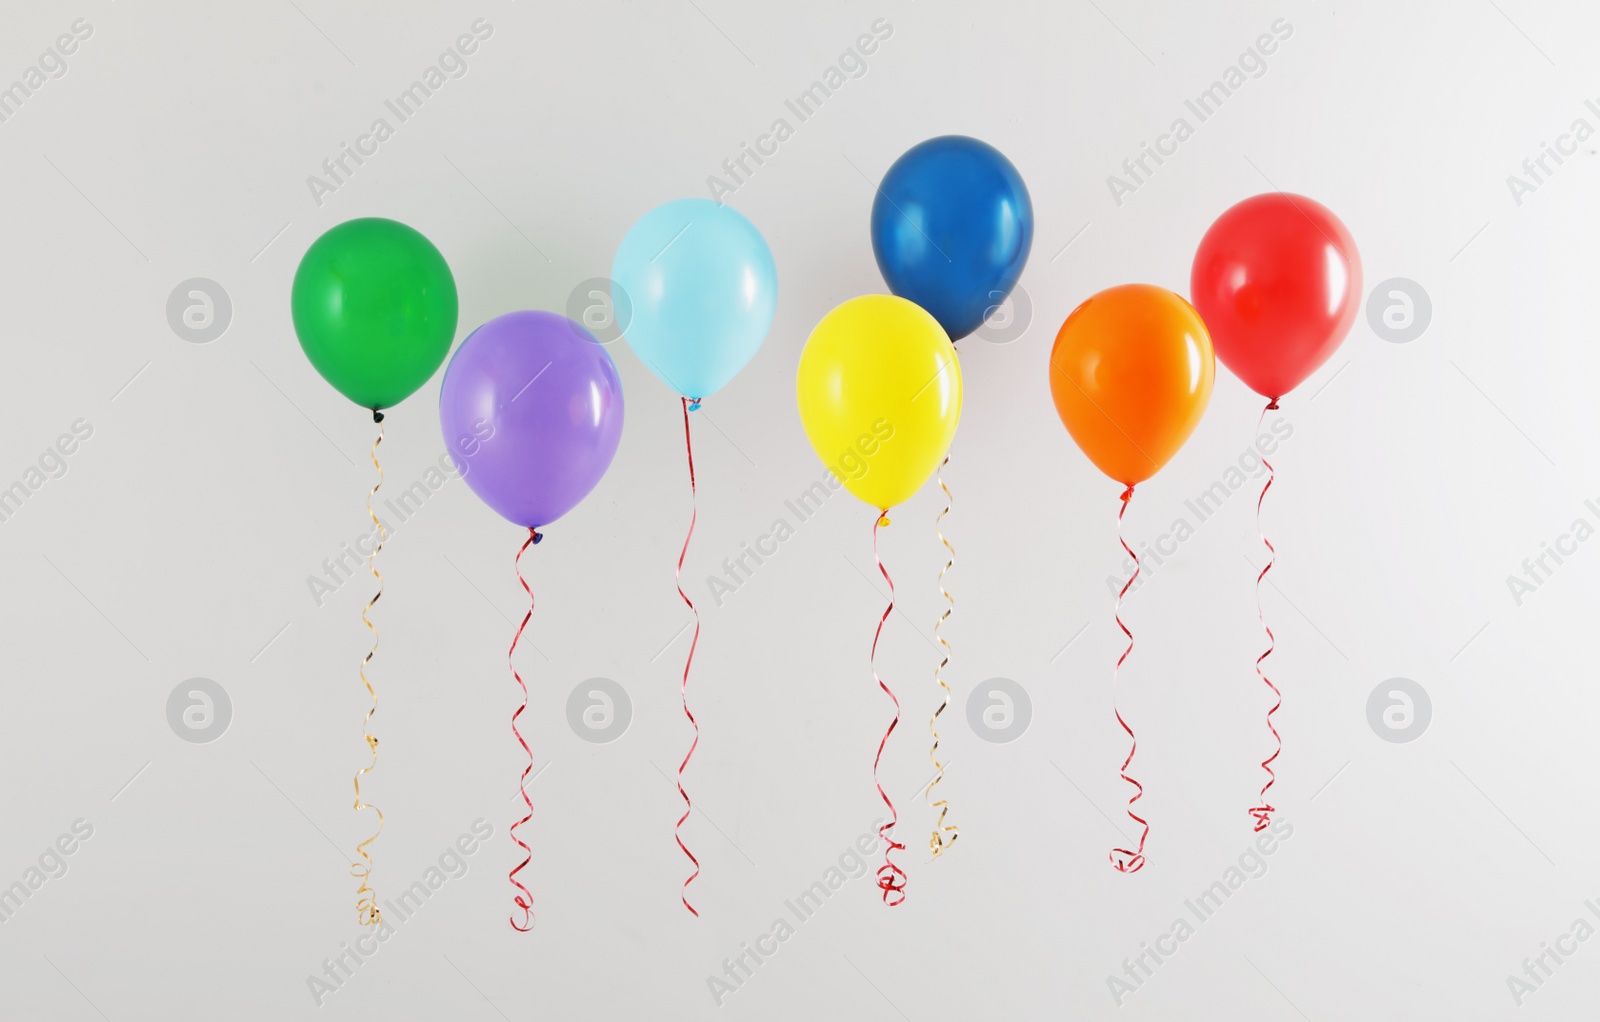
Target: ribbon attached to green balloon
x=374 y=306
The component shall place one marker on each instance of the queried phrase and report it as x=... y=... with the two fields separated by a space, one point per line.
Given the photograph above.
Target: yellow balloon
x=880 y=396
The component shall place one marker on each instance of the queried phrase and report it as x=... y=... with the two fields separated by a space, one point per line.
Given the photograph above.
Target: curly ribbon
x=524 y=898
x=1127 y=860
x=1263 y=812
x=683 y=687
x=366 y=897
x=938 y=842
x=891 y=878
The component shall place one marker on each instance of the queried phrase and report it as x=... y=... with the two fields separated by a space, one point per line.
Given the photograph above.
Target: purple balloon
x=531 y=409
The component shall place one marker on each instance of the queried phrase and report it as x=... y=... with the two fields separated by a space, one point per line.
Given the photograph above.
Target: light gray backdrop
x=1428 y=459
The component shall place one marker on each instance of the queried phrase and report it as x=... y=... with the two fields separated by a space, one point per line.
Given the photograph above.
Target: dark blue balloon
x=951 y=227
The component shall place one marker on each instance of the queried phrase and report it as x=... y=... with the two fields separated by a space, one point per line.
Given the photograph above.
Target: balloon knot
x=377 y=416
x=1127 y=494
x=694 y=404
x=883 y=518
x=1272 y=405
x=537 y=537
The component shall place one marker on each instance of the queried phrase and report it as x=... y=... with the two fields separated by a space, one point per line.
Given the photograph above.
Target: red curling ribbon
x=1127 y=860
x=683 y=688
x=523 y=899
x=1263 y=812
x=891 y=878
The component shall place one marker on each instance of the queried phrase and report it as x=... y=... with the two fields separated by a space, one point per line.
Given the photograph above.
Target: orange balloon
x=1131 y=373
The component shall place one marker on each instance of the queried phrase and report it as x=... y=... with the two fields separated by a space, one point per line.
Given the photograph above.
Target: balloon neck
x=883 y=517
x=377 y=416
x=694 y=404
x=1272 y=405
x=535 y=535
x=1127 y=494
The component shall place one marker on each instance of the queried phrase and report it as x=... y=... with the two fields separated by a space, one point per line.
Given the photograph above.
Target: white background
x=1418 y=877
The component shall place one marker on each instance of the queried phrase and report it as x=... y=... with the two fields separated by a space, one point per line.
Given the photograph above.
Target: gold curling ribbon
x=939 y=843
x=366 y=898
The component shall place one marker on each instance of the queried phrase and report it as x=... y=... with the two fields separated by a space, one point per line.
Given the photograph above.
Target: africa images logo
x=852 y=63
x=1252 y=63
x=452 y=64
x=52 y=464
x=52 y=64
x=853 y=463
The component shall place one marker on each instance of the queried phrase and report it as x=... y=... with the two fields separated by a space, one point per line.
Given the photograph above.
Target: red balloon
x=1277 y=280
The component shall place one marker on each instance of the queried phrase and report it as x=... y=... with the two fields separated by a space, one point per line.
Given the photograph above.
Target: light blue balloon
x=702 y=288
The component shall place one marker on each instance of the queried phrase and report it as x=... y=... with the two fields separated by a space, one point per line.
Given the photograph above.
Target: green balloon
x=375 y=309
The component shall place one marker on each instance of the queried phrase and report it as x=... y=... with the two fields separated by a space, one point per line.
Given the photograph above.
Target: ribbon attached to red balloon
x=1263 y=812
x=1278 y=280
